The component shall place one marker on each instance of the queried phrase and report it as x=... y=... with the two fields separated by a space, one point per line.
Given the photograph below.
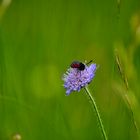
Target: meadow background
x=38 y=42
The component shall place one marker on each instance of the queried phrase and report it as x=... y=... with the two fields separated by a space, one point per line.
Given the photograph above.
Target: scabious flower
x=78 y=76
x=75 y=79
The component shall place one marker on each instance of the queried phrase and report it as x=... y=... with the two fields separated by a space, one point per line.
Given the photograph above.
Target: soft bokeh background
x=38 y=42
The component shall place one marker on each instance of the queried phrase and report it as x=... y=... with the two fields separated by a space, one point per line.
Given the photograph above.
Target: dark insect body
x=79 y=65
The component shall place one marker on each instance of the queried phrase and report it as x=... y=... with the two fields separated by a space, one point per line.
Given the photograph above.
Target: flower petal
x=75 y=79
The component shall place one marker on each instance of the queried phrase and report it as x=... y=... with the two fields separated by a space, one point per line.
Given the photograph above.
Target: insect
x=79 y=65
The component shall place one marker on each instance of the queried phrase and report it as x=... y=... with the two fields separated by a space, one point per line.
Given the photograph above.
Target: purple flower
x=75 y=79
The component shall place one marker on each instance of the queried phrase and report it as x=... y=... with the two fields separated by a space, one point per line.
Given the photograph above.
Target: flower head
x=75 y=79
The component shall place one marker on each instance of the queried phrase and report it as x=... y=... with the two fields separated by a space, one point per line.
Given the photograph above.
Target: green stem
x=97 y=113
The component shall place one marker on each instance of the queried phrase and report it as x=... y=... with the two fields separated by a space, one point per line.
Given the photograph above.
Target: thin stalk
x=97 y=113
x=124 y=78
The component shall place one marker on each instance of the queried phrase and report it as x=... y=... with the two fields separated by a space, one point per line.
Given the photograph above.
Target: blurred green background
x=38 y=42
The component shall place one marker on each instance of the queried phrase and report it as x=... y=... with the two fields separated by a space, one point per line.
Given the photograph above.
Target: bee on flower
x=78 y=76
